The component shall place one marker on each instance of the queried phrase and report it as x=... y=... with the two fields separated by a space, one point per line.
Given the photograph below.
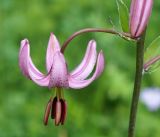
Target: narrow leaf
x=153 y=49
x=123 y=15
x=152 y=68
x=152 y=54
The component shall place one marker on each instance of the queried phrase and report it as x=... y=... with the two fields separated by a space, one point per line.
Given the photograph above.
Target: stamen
x=57 y=107
x=58 y=112
x=47 y=112
x=59 y=93
x=64 y=111
x=53 y=111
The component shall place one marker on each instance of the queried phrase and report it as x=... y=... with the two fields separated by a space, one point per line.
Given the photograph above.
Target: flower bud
x=140 y=11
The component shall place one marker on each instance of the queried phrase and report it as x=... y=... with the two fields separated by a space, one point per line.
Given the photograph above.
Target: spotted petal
x=53 y=46
x=28 y=68
x=87 y=64
x=77 y=84
x=59 y=72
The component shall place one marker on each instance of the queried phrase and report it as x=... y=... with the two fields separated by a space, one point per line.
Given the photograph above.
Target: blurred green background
x=101 y=109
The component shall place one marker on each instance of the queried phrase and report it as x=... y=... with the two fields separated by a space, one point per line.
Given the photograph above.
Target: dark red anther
x=47 y=112
x=57 y=108
x=64 y=111
x=58 y=112
x=53 y=111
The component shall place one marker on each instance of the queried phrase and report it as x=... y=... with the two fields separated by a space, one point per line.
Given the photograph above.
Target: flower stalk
x=137 y=85
x=86 y=30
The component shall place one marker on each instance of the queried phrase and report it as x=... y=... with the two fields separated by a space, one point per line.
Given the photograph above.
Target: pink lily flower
x=58 y=76
x=139 y=16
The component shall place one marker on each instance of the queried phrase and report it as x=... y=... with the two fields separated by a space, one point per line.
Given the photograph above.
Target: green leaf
x=153 y=49
x=151 y=52
x=154 y=67
x=123 y=15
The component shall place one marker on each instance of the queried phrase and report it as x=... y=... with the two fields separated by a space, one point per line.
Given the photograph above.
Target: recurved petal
x=87 y=64
x=28 y=68
x=59 y=72
x=77 y=84
x=53 y=47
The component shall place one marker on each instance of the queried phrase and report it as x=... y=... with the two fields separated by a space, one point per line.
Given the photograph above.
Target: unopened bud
x=139 y=16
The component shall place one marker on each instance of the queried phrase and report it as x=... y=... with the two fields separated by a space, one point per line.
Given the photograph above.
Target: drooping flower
x=140 y=11
x=58 y=76
x=151 y=98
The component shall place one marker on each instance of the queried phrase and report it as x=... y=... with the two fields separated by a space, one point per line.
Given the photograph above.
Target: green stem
x=137 y=85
